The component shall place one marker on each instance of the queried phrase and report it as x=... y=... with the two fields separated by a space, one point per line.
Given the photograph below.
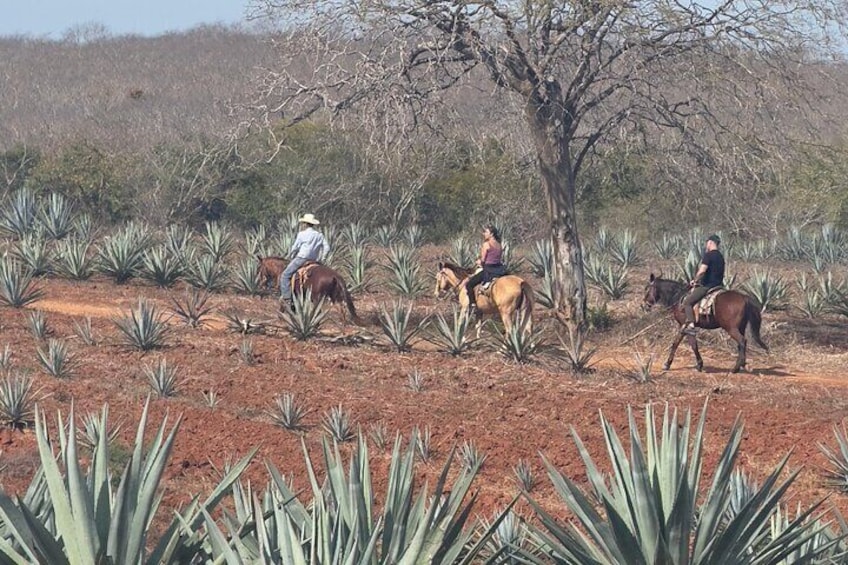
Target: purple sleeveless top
x=494 y=256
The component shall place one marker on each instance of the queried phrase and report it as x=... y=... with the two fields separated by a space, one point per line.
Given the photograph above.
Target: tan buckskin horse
x=507 y=295
x=321 y=280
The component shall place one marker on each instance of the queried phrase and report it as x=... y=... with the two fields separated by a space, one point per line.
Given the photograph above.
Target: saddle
x=706 y=306
x=302 y=274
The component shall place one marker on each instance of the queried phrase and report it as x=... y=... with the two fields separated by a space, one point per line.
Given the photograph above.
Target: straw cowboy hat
x=308 y=219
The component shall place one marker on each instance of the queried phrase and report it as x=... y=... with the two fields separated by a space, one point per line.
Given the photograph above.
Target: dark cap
x=715 y=239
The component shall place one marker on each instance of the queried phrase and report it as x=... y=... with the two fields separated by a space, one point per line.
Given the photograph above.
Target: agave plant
x=17 y=288
x=545 y=295
x=121 y=254
x=178 y=242
x=396 y=326
x=624 y=249
x=339 y=524
x=256 y=241
x=463 y=252
x=207 y=273
x=83 y=330
x=643 y=365
x=520 y=343
x=355 y=235
x=422 y=440
x=247 y=353
x=667 y=246
x=358 y=265
x=689 y=266
x=674 y=521
x=6 y=358
x=18 y=213
x=575 y=351
x=768 y=290
x=837 y=471
x=161 y=267
x=17 y=401
x=89 y=517
x=338 y=424
x=385 y=236
x=73 y=259
x=451 y=334
x=37 y=322
x=288 y=412
x=56 y=359
x=379 y=435
x=524 y=476
x=194 y=308
x=245 y=276
x=405 y=271
x=217 y=241
x=84 y=228
x=91 y=429
x=144 y=328
x=162 y=378
x=33 y=251
x=56 y=216
x=412 y=235
x=308 y=316
x=542 y=258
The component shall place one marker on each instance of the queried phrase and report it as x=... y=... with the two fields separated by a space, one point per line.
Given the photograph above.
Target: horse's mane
x=455 y=268
x=272 y=258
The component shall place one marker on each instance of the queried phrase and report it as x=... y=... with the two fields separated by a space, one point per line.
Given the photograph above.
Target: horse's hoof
x=735 y=370
x=667 y=367
x=700 y=367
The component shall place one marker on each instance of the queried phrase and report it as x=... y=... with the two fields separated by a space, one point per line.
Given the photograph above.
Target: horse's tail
x=525 y=303
x=752 y=311
x=348 y=299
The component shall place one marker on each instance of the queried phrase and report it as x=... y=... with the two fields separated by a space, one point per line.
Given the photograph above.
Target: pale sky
x=52 y=18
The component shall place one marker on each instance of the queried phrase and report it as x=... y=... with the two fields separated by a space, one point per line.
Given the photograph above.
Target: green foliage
x=194 y=308
x=217 y=241
x=358 y=265
x=545 y=292
x=92 y=428
x=56 y=359
x=609 y=278
x=463 y=252
x=542 y=258
x=245 y=276
x=18 y=213
x=451 y=334
x=87 y=517
x=524 y=475
x=668 y=246
x=837 y=459
x=308 y=316
x=73 y=259
x=397 y=328
x=34 y=253
x=55 y=216
x=338 y=424
x=17 y=288
x=121 y=254
x=405 y=271
x=385 y=236
x=207 y=274
x=674 y=521
x=575 y=351
x=144 y=328
x=160 y=267
x=768 y=290
x=162 y=378
x=517 y=344
x=83 y=331
x=288 y=412
x=37 y=323
x=17 y=400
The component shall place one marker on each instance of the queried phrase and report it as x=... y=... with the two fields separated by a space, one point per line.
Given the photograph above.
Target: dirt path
x=615 y=358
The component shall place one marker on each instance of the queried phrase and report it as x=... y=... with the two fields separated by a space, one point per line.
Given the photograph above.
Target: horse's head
x=448 y=277
x=661 y=291
x=650 y=297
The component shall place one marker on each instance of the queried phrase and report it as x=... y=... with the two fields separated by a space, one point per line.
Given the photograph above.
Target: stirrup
x=689 y=328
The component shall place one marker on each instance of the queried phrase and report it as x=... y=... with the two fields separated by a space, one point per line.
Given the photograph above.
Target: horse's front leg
x=693 y=343
x=675 y=344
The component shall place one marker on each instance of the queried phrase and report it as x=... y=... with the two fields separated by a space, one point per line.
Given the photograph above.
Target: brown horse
x=508 y=294
x=321 y=280
x=732 y=311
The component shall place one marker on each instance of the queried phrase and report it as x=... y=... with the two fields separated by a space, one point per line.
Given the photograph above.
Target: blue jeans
x=288 y=273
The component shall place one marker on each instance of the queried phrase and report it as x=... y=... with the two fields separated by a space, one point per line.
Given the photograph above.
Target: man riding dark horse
x=490 y=263
x=710 y=276
x=309 y=246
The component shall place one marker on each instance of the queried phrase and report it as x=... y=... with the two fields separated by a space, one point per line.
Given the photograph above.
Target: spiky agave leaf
x=144 y=328
x=648 y=506
x=17 y=287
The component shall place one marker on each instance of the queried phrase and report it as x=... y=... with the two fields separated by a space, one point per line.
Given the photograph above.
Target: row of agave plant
x=654 y=506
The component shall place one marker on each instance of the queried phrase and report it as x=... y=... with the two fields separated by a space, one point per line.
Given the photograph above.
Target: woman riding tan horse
x=508 y=294
x=321 y=280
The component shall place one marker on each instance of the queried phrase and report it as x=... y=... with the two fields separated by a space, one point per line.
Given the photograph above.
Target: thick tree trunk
x=558 y=183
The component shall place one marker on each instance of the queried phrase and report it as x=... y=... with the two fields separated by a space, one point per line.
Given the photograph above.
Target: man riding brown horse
x=710 y=275
x=309 y=245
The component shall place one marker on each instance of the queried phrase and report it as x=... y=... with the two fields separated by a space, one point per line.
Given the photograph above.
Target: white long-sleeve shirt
x=309 y=244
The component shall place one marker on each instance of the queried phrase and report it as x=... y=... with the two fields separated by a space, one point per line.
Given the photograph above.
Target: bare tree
x=582 y=73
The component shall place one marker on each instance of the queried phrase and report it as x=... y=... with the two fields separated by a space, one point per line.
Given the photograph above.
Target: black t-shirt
x=714 y=261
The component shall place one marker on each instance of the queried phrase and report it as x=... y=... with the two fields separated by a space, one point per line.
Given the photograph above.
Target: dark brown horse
x=733 y=312
x=321 y=280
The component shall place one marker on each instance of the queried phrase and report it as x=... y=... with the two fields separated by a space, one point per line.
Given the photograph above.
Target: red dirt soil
x=789 y=401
